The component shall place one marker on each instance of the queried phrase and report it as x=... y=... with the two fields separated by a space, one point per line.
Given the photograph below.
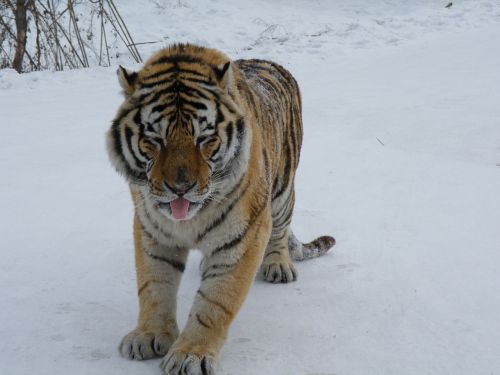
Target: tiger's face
x=178 y=134
x=179 y=171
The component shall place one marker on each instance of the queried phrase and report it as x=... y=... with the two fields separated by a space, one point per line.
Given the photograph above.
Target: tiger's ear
x=127 y=79
x=224 y=74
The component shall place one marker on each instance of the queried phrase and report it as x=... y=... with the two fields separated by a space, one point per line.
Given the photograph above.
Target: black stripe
x=250 y=98
x=174 y=69
x=204 y=369
x=149 y=85
x=284 y=222
x=236 y=240
x=229 y=135
x=216 y=303
x=213 y=275
x=240 y=125
x=270 y=67
x=138 y=119
x=156 y=95
x=128 y=137
x=238 y=147
x=240 y=131
x=286 y=172
x=220 y=115
x=197 y=105
x=272 y=252
x=159 y=73
x=144 y=286
x=195 y=92
x=149 y=282
x=203 y=82
x=158 y=108
x=287 y=207
x=152 y=222
x=222 y=217
x=202 y=322
x=137 y=176
x=280 y=237
x=193 y=72
x=122 y=114
x=266 y=160
x=283 y=78
x=228 y=105
x=287 y=76
x=178 y=58
x=224 y=269
x=200 y=140
x=283 y=207
x=270 y=84
x=117 y=140
x=157 y=120
x=179 y=266
x=284 y=218
x=292 y=125
x=146 y=232
x=214 y=152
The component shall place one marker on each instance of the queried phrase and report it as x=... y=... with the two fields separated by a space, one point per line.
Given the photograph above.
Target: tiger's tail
x=302 y=251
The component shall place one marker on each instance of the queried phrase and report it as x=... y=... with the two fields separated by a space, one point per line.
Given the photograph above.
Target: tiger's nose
x=180 y=190
x=182 y=184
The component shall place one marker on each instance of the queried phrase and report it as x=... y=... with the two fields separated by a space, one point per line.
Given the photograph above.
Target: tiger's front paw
x=140 y=344
x=177 y=362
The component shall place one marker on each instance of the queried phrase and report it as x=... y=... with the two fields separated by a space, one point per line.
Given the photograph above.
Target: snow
x=400 y=162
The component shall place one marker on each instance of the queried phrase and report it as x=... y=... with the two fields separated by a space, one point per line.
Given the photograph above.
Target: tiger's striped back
x=279 y=112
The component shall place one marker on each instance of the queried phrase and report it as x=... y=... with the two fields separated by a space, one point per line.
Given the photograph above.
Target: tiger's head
x=180 y=134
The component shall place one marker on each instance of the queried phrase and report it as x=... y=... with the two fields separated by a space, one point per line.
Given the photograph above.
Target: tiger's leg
x=228 y=273
x=159 y=271
x=277 y=267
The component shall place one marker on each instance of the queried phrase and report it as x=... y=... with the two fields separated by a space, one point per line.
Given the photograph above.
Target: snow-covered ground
x=401 y=163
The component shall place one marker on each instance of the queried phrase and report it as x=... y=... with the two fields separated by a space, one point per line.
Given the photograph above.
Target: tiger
x=209 y=148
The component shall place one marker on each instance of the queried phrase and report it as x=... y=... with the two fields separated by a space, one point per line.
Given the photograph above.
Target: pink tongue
x=180 y=207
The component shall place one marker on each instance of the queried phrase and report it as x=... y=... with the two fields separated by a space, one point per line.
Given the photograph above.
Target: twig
x=103 y=36
x=139 y=43
x=126 y=34
x=57 y=55
x=71 y=12
x=6 y=55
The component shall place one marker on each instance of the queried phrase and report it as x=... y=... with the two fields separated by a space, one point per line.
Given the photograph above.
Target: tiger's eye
x=210 y=148
x=148 y=148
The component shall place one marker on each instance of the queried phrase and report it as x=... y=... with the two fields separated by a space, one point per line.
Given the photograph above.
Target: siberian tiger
x=209 y=147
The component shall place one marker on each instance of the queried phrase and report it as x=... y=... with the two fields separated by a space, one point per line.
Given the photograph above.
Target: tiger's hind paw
x=279 y=272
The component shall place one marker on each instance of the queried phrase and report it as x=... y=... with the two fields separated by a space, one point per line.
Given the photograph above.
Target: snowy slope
x=401 y=163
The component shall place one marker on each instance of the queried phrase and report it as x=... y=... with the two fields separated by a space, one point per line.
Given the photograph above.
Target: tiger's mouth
x=179 y=208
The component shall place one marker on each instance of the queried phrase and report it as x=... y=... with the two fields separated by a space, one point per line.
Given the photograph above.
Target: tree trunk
x=22 y=27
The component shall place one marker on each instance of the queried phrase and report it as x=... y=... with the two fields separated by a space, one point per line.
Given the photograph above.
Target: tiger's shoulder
x=268 y=77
